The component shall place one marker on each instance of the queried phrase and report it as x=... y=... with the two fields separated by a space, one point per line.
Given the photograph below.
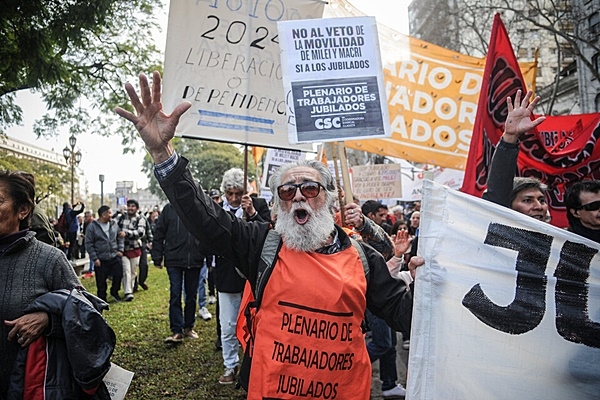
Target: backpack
x=251 y=299
x=63 y=224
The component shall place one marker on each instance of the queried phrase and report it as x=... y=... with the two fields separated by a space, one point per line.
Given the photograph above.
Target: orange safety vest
x=309 y=342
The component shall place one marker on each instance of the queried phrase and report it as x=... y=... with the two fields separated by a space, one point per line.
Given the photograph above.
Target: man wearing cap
x=215 y=195
x=132 y=229
x=105 y=248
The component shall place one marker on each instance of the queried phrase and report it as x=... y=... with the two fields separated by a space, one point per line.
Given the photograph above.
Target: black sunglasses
x=308 y=189
x=593 y=206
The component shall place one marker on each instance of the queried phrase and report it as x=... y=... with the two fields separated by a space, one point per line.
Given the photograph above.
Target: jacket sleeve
x=149 y=233
x=76 y=211
x=502 y=173
x=227 y=236
x=42 y=228
x=137 y=233
x=263 y=214
x=387 y=297
x=376 y=237
x=158 y=243
x=120 y=241
x=90 y=242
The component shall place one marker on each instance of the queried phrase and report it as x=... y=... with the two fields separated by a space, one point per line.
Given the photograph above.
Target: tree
x=208 y=162
x=561 y=24
x=49 y=179
x=77 y=55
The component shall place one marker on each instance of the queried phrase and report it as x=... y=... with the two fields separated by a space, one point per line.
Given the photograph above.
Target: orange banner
x=432 y=97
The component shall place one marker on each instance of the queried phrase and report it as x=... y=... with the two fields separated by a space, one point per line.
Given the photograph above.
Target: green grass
x=184 y=371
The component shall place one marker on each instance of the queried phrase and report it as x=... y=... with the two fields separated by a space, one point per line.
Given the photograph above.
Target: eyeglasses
x=593 y=206
x=308 y=189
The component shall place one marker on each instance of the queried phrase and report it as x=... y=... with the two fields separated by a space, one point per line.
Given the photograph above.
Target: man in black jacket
x=175 y=248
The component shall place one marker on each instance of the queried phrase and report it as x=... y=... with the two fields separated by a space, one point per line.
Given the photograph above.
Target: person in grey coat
x=105 y=248
x=29 y=268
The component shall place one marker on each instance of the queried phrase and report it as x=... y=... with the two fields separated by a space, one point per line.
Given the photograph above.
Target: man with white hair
x=308 y=341
x=228 y=282
x=398 y=212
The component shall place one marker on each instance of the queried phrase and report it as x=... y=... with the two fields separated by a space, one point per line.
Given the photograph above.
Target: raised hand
x=401 y=243
x=155 y=127
x=518 y=120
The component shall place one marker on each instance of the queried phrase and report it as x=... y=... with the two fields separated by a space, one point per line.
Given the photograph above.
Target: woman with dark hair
x=29 y=268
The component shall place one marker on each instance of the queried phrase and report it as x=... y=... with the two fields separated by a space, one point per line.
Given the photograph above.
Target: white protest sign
x=223 y=57
x=117 y=381
x=506 y=306
x=333 y=76
x=412 y=183
x=375 y=182
x=275 y=158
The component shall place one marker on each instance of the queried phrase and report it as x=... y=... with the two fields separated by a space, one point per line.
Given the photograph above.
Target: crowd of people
x=320 y=274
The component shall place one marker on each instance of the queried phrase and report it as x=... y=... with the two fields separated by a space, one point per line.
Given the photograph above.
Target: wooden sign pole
x=334 y=155
x=349 y=198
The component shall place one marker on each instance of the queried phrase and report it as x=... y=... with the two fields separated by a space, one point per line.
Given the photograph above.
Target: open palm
x=518 y=120
x=154 y=126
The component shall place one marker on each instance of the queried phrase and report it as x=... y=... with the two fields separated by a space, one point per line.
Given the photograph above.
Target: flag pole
x=245 y=168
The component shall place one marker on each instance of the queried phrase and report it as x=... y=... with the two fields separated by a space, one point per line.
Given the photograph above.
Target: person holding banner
x=318 y=278
x=525 y=195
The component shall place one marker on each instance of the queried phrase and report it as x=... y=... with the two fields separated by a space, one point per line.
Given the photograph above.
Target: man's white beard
x=310 y=236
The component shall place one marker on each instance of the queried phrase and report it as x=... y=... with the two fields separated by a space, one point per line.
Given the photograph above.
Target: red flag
x=501 y=78
x=561 y=151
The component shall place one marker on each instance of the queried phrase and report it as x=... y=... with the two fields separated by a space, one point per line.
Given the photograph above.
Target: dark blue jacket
x=173 y=246
x=78 y=358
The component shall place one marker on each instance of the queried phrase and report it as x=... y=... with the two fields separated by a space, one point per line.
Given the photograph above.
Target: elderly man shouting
x=308 y=338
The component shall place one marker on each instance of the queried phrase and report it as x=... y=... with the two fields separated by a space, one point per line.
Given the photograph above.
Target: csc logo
x=328 y=123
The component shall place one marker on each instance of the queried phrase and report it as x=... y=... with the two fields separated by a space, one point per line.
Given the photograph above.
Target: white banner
x=223 y=56
x=505 y=307
x=333 y=75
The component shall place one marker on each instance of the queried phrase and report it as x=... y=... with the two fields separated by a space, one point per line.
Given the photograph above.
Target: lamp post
x=101 y=177
x=72 y=158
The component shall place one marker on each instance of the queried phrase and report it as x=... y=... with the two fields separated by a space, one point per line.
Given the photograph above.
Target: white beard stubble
x=310 y=236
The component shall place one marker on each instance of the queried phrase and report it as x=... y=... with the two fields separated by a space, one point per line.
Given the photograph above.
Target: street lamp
x=72 y=158
x=101 y=177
